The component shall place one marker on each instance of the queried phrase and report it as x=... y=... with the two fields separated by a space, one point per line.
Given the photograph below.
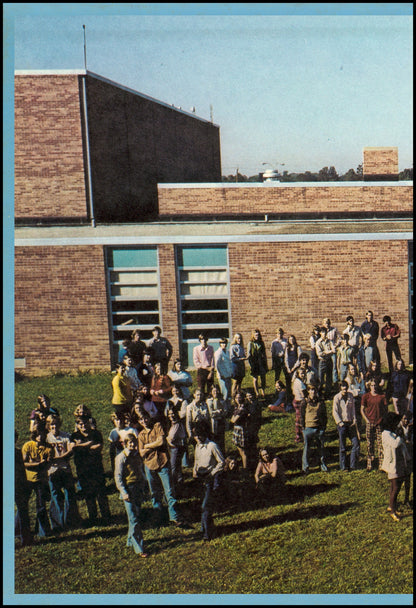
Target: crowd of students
x=160 y=427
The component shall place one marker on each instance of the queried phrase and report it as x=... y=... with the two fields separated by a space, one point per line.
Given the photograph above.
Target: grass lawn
x=329 y=533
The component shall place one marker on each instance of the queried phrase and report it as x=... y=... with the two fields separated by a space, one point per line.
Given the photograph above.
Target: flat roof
x=81 y=72
x=276 y=184
x=216 y=232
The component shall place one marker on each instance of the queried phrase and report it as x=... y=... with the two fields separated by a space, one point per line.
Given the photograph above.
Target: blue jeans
x=63 y=509
x=348 y=430
x=334 y=368
x=41 y=489
x=134 y=534
x=343 y=371
x=311 y=435
x=176 y=456
x=325 y=371
x=225 y=388
x=211 y=484
x=159 y=478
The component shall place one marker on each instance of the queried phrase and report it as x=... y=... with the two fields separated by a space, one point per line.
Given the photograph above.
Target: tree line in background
x=326 y=174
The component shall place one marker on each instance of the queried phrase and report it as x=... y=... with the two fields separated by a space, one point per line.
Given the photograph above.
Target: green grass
x=328 y=533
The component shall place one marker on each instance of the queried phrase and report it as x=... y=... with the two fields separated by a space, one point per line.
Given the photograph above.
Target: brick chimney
x=381 y=164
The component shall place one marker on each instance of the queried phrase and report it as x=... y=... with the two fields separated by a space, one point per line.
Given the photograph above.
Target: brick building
x=221 y=258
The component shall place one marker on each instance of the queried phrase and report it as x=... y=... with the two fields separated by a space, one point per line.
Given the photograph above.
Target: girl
x=177 y=402
x=176 y=440
x=292 y=353
x=257 y=359
x=217 y=410
x=269 y=475
x=400 y=384
x=160 y=389
x=237 y=356
x=241 y=436
x=298 y=390
x=181 y=378
x=395 y=460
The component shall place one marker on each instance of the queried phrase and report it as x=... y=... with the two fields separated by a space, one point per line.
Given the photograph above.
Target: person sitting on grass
x=129 y=479
x=395 y=460
x=269 y=475
x=208 y=464
x=279 y=403
x=36 y=457
x=87 y=448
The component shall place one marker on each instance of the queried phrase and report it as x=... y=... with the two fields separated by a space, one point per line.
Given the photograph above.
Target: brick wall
x=61 y=308
x=49 y=165
x=296 y=285
x=284 y=200
x=380 y=162
x=136 y=142
x=169 y=301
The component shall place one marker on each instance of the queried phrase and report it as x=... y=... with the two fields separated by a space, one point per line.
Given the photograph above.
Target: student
x=314 y=421
x=145 y=369
x=160 y=349
x=399 y=387
x=238 y=358
x=43 y=409
x=176 y=402
x=208 y=464
x=333 y=335
x=36 y=456
x=217 y=409
x=129 y=479
x=136 y=347
x=116 y=442
x=390 y=333
x=312 y=341
x=395 y=460
x=405 y=431
x=131 y=374
x=343 y=412
x=241 y=431
x=269 y=475
x=203 y=358
x=181 y=378
x=344 y=356
x=373 y=410
x=279 y=403
x=154 y=452
x=298 y=391
x=224 y=369
x=122 y=392
x=278 y=348
x=325 y=349
x=371 y=327
x=197 y=410
x=87 y=449
x=63 y=510
x=176 y=440
x=22 y=491
x=160 y=389
x=258 y=362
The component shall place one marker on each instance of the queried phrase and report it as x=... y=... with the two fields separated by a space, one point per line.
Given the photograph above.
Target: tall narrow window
x=133 y=280
x=204 y=296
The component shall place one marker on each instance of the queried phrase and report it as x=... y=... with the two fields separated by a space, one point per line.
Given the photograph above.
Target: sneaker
x=394 y=516
x=324 y=468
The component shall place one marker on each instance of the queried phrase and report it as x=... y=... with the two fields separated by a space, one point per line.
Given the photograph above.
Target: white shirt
x=343 y=409
x=208 y=458
x=61 y=444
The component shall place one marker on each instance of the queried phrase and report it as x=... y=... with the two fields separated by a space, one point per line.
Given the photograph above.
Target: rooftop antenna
x=85 y=49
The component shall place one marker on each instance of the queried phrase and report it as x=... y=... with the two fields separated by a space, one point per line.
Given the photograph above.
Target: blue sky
x=303 y=90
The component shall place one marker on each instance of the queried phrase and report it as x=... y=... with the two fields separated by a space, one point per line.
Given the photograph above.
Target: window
x=204 y=296
x=133 y=280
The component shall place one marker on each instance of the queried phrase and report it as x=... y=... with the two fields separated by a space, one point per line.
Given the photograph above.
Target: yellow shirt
x=121 y=390
x=33 y=452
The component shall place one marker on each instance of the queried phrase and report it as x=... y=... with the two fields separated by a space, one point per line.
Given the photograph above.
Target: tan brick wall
x=168 y=296
x=284 y=200
x=61 y=308
x=295 y=285
x=49 y=166
x=380 y=161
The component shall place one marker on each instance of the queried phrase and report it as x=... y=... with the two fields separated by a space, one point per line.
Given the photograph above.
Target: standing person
x=395 y=460
x=36 y=456
x=324 y=350
x=366 y=354
x=129 y=479
x=203 y=357
x=176 y=440
x=298 y=391
x=258 y=361
x=399 y=385
x=238 y=358
x=197 y=410
x=208 y=464
x=160 y=389
x=122 y=392
x=224 y=369
x=42 y=411
x=145 y=369
x=354 y=334
x=154 y=452
x=405 y=430
x=344 y=356
x=22 y=491
x=370 y=326
x=278 y=348
x=136 y=347
x=314 y=421
x=160 y=349
x=217 y=408
x=292 y=355
x=311 y=373
x=357 y=388
x=241 y=431
x=131 y=374
x=312 y=341
x=343 y=412
x=373 y=410
x=63 y=509
x=254 y=425
x=335 y=337
x=373 y=373
x=181 y=378
x=177 y=402
x=87 y=449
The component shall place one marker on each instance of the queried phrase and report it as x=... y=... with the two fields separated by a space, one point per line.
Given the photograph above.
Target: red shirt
x=393 y=331
x=374 y=406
